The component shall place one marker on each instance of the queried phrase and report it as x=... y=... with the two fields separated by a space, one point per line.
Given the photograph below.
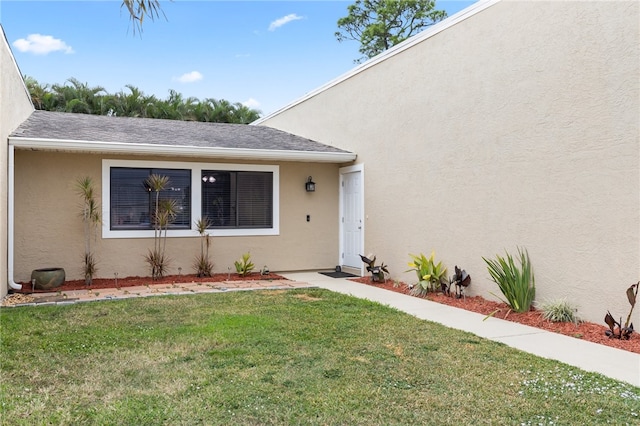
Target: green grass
x=279 y=357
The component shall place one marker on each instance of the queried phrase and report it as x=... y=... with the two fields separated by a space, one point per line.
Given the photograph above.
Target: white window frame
x=196 y=198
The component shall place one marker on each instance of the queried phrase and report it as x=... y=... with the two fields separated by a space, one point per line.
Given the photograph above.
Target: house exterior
x=248 y=181
x=510 y=124
x=15 y=107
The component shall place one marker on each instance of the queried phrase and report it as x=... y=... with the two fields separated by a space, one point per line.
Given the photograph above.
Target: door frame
x=357 y=168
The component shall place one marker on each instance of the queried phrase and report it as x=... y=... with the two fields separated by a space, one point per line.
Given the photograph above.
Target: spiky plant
x=157 y=262
x=91 y=220
x=202 y=264
x=517 y=283
x=559 y=310
x=164 y=213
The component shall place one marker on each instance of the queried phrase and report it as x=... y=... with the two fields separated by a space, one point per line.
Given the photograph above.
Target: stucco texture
x=516 y=127
x=15 y=107
x=49 y=231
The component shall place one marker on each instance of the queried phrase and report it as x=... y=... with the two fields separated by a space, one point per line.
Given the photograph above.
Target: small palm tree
x=91 y=219
x=164 y=213
x=139 y=9
x=202 y=264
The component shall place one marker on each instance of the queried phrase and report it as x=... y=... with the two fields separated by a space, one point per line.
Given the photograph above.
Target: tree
x=77 y=97
x=165 y=211
x=139 y=9
x=91 y=219
x=381 y=24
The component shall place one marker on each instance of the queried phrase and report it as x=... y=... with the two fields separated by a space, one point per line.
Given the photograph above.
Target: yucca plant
x=91 y=219
x=244 y=266
x=516 y=282
x=164 y=213
x=430 y=274
x=202 y=264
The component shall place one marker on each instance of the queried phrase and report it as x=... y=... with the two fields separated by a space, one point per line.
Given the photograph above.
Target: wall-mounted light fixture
x=209 y=179
x=310 y=186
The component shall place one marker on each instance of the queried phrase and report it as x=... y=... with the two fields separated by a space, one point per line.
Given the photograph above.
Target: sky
x=263 y=54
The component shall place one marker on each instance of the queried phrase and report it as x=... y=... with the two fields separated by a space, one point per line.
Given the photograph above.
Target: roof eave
x=183 y=151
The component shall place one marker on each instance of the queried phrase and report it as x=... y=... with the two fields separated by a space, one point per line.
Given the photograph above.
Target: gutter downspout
x=10 y=219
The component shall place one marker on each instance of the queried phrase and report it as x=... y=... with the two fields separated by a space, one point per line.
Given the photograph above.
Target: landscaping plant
x=460 y=279
x=623 y=332
x=517 y=282
x=163 y=214
x=244 y=266
x=202 y=264
x=559 y=311
x=91 y=219
x=431 y=275
x=377 y=272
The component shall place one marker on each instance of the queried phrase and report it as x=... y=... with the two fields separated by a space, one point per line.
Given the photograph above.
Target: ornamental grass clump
x=516 y=282
x=559 y=310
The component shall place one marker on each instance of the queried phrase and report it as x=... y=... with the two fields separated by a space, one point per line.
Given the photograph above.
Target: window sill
x=187 y=233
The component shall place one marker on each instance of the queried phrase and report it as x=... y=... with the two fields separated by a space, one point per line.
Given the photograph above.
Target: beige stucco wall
x=15 y=107
x=49 y=232
x=516 y=127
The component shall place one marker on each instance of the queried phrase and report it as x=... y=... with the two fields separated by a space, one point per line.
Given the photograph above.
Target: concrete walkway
x=611 y=362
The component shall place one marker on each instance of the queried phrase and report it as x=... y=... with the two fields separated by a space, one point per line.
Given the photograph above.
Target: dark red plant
x=616 y=329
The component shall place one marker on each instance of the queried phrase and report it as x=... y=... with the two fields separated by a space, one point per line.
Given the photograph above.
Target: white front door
x=351 y=216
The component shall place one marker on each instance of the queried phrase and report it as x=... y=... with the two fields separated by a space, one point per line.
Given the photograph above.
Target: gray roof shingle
x=47 y=125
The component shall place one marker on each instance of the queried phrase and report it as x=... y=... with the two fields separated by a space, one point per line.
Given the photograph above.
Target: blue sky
x=264 y=54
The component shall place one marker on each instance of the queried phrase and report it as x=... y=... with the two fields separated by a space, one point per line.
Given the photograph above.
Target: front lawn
x=279 y=357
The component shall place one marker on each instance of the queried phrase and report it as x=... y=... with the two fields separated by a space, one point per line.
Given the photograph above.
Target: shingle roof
x=47 y=125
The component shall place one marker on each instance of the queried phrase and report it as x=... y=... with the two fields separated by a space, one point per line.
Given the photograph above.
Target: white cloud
x=284 y=20
x=39 y=44
x=190 y=77
x=251 y=103
x=242 y=55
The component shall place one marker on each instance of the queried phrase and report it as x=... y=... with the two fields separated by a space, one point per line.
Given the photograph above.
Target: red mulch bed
x=585 y=330
x=141 y=281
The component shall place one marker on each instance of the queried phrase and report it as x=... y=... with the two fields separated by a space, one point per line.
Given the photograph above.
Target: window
x=238 y=199
x=133 y=201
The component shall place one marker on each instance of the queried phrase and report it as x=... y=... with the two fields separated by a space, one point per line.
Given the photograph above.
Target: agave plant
x=91 y=219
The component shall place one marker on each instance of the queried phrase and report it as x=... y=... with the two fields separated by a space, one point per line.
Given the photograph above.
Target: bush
x=517 y=283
